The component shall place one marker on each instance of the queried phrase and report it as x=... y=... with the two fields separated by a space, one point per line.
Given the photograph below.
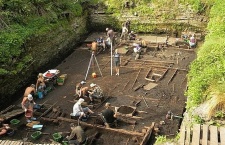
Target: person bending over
x=77 y=135
x=30 y=90
x=28 y=105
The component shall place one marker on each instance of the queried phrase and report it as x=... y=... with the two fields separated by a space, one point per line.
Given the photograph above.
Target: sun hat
x=92 y=85
x=107 y=29
x=81 y=100
x=29 y=97
x=82 y=82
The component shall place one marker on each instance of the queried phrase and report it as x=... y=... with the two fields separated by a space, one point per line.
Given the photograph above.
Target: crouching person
x=108 y=116
x=80 y=112
x=77 y=135
x=5 y=128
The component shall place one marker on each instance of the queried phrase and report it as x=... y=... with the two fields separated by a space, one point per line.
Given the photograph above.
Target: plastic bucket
x=28 y=113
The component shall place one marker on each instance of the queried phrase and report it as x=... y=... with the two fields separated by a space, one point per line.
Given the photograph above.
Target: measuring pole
x=111 y=58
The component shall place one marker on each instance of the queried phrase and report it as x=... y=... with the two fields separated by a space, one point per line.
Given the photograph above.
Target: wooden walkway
x=202 y=135
x=18 y=142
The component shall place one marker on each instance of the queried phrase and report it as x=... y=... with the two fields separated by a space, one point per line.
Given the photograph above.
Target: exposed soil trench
x=159 y=77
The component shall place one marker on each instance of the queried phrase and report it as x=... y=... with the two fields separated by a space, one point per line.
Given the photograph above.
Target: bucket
x=40 y=95
x=29 y=113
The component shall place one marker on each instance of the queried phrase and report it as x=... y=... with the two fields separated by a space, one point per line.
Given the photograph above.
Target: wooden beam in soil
x=136 y=78
x=102 y=102
x=48 y=110
x=174 y=73
x=148 y=134
x=121 y=131
x=152 y=99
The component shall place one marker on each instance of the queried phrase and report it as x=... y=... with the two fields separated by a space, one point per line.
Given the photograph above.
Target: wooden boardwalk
x=19 y=142
x=202 y=135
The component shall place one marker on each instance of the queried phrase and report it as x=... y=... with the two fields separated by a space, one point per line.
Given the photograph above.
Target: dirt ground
x=168 y=94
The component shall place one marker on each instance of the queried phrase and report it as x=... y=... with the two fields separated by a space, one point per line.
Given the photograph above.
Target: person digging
x=77 y=135
x=108 y=116
x=28 y=104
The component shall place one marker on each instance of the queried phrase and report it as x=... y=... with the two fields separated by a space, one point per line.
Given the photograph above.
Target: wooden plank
x=148 y=134
x=196 y=134
x=222 y=136
x=6 y=143
x=213 y=135
x=205 y=134
x=188 y=136
x=3 y=141
x=182 y=135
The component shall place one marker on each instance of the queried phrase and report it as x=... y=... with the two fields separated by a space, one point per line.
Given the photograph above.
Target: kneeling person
x=77 y=135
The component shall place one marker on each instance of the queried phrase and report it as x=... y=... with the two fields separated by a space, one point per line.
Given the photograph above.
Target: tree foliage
x=208 y=70
x=21 y=20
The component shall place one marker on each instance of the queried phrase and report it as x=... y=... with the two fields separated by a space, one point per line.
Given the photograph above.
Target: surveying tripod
x=90 y=62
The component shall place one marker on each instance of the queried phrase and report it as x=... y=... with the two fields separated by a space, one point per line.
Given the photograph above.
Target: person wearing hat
x=79 y=111
x=27 y=104
x=30 y=90
x=108 y=116
x=79 y=87
x=94 y=92
x=77 y=135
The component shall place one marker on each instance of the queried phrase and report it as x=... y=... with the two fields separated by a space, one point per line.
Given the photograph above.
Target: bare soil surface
x=169 y=67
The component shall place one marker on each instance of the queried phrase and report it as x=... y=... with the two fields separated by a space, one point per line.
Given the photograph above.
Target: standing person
x=110 y=34
x=192 y=41
x=77 y=135
x=30 y=90
x=28 y=105
x=40 y=85
x=117 y=62
x=124 y=33
x=127 y=24
x=79 y=111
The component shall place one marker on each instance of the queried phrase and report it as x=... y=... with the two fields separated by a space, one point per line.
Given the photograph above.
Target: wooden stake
x=172 y=76
x=136 y=78
x=126 y=84
x=145 y=101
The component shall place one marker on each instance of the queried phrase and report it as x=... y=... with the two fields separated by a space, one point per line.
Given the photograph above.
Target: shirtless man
x=30 y=90
x=94 y=47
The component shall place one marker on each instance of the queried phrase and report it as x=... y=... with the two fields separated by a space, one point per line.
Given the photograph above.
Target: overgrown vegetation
x=206 y=80
x=22 y=20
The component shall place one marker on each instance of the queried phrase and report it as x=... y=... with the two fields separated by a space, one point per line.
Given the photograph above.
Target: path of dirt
x=167 y=95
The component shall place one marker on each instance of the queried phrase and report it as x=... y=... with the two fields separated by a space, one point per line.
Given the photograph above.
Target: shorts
x=117 y=63
x=79 y=113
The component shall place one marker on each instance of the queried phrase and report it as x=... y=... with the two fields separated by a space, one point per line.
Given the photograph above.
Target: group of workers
x=28 y=101
x=190 y=39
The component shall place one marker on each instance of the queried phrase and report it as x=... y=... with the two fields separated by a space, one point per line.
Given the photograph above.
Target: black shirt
x=108 y=115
